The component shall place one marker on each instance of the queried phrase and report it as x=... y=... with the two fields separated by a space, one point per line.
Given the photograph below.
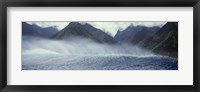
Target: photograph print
x=99 y=45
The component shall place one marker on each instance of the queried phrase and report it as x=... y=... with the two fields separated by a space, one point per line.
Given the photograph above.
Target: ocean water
x=62 y=62
x=79 y=54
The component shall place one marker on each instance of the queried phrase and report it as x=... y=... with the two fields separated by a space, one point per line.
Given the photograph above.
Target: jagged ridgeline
x=164 y=41
x=160 y=40
x=36 y=31
x=75 y=29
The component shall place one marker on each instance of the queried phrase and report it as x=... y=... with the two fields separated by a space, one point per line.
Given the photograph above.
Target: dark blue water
x=99 y=63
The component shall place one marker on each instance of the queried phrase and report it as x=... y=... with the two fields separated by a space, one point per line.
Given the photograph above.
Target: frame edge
x=3 y=43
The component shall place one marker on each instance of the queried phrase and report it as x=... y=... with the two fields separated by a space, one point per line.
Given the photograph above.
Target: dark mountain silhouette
x=164 y=41
x=134 y=34
x=34 y=30
x=129 y=31
x=100 y=34
x=84 y=31
x=28 y=30
x=47 y=31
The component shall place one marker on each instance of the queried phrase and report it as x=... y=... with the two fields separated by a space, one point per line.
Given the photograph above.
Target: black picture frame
x=98 y=3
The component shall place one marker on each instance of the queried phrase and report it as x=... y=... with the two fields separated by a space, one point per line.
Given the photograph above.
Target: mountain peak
x=84 y=31
x=164 y=41
x=35 y=30
x=74 y=24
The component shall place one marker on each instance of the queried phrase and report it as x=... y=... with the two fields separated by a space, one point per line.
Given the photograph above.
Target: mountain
x=164 y=41
x=29 y=30
x=134 y=34
x=84 y=31
x=34 y=30
x=129 y=31
x=46 y=31
x=101 y=35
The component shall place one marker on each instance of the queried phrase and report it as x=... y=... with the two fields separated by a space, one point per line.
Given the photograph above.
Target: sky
x=110 y=27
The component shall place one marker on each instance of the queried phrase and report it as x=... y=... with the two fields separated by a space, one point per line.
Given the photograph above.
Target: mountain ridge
x=84 y=31
x=164 y=41
x=35 y=30
x=133 y=34
x=160 y=40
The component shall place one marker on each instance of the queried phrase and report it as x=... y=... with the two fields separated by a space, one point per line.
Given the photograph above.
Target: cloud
x=110 y=27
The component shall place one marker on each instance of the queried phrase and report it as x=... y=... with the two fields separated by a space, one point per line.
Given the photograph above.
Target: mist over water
x=78 y=46
x=84 y=54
